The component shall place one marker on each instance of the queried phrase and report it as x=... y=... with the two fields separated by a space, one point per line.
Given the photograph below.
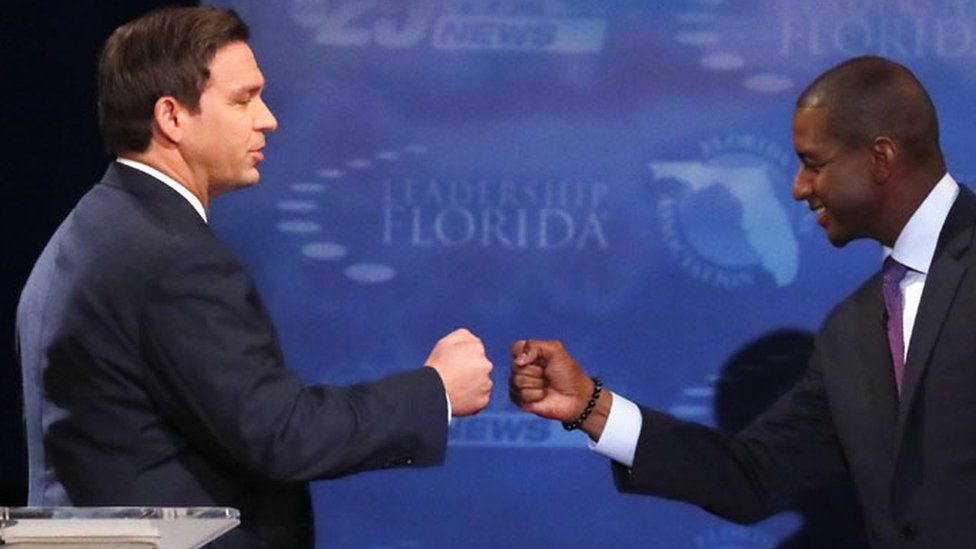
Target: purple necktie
x=892 y=273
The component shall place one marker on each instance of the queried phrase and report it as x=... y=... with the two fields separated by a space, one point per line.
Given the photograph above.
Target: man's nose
x=801 y=185
x=265 y=121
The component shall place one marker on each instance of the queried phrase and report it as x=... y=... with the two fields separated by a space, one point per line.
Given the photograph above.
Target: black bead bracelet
x=575 y=424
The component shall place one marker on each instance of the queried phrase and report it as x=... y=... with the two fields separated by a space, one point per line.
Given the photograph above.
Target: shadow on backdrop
x=752 y=380
x=53 y=155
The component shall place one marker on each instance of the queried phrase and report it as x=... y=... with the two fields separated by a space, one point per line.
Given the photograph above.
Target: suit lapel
x=941 y=284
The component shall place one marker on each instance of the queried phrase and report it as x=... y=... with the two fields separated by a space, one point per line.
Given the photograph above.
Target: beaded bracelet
x=575 y=424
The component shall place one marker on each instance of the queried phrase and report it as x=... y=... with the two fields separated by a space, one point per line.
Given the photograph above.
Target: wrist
x=595 y=423
x=585 y=388
x=587 y=408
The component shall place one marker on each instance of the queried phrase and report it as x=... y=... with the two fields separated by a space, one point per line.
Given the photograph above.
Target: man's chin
x=841 y=240
x=243 y=182
x=836 y=238
x=250 y=178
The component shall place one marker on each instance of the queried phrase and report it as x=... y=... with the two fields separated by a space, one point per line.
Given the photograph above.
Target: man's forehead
x=234 y=64
x=809 y=130
x=811 y=112
x=809 y=119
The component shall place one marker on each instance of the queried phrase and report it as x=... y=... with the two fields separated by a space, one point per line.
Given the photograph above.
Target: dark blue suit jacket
x=153 y=376
x=912 y=459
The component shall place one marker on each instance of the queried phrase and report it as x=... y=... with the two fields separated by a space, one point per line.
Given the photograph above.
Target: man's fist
x=459 y=358
x=546 y=381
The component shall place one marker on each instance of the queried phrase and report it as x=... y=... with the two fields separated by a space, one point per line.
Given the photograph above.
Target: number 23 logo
x=393 y=24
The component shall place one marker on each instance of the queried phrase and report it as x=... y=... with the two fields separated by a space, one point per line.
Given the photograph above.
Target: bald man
x=890 y=393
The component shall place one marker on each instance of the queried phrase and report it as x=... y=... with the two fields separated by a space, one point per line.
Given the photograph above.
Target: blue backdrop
x=616 y=175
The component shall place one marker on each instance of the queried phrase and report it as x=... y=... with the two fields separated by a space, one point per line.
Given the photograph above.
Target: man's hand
x=459 y=358
x=546 y=381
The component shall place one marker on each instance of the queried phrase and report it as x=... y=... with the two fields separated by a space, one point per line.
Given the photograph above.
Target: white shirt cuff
x=619 y=439
x=449 y=411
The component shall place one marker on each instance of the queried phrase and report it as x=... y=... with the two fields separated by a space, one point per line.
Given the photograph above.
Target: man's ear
x=884 y=153
x=169 y=118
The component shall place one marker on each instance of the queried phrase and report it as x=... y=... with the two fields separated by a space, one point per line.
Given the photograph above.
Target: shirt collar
x=915 y=246
x=169 y=181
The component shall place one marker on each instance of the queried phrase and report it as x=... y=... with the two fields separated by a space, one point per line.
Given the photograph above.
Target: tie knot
x=892 y=271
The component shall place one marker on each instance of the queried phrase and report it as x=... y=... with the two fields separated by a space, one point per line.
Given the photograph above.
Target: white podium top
x=161 y=527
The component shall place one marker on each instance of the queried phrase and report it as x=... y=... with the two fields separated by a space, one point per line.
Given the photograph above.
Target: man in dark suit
x=890 y=392
x=152 y=373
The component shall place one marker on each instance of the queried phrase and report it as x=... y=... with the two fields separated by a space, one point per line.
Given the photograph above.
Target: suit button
x=408 y=461
x=907 y=532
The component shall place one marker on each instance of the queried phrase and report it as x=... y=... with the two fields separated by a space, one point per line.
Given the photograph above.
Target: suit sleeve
x=787 y=451
x=217 y=372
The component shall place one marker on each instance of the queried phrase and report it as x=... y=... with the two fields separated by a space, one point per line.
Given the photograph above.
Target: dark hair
x=164 y=53
x=869 y=97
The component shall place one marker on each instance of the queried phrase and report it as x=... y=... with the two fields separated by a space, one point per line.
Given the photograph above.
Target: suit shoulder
x=114 y=245
x=863 y=305
x=140 y=230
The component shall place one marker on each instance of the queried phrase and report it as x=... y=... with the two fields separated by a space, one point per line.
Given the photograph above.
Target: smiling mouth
x=821 y=213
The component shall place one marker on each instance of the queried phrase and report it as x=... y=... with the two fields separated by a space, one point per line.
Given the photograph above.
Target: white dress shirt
x=170 y=182
x=914 y=248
